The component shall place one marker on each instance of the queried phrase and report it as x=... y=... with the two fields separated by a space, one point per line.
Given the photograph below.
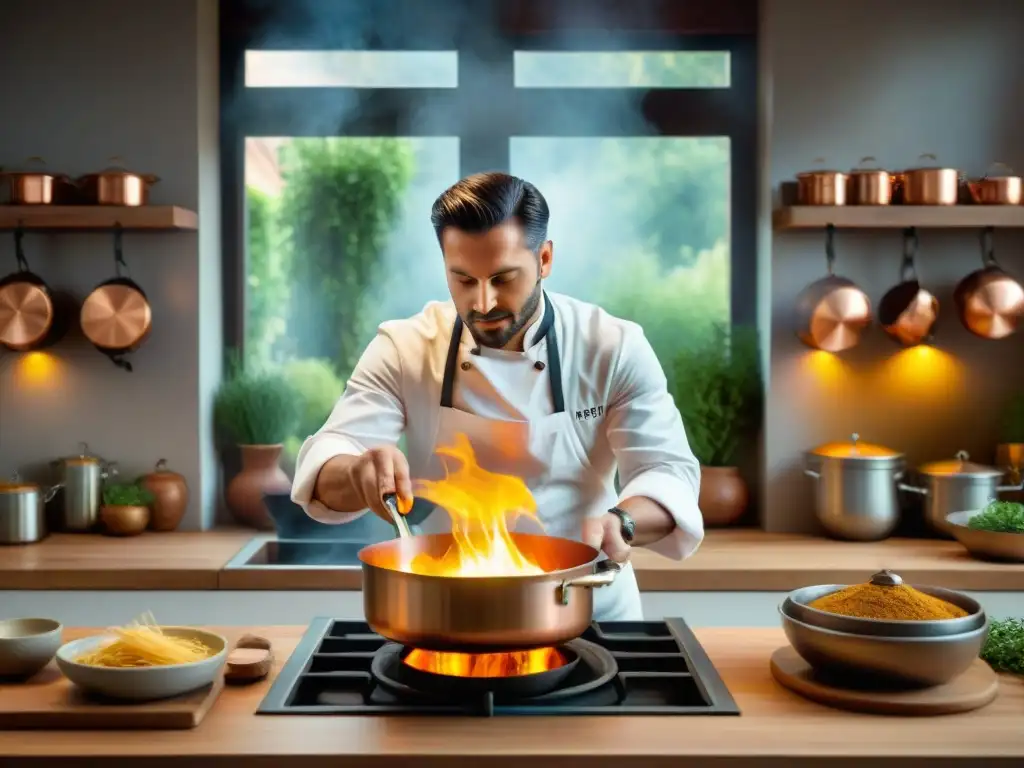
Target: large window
x=342 y=120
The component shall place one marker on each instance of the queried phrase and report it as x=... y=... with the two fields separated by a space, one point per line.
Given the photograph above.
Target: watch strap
x=627 y=523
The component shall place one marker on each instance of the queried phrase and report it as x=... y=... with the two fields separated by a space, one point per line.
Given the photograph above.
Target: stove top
x=623 y=668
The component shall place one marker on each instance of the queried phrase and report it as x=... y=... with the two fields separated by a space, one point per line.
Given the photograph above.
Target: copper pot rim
x=371 y=555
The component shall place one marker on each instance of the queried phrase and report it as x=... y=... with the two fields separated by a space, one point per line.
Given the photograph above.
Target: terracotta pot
x=724 y=495
x=1010 y=456
x=260 y=474
x=170 y=497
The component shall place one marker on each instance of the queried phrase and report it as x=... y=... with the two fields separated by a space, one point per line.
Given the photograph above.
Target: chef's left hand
x=605 y=533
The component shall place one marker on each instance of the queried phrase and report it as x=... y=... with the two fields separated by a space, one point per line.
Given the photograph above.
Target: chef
x=547 y=388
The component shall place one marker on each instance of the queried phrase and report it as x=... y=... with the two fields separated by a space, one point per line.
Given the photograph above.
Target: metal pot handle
x=604 y=574
x=912 y=489
x=1009 y=488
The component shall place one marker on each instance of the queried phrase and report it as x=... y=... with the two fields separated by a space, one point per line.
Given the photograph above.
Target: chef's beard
x=497 y=339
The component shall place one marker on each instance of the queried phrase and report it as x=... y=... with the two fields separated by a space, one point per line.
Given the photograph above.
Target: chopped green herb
x=1004 y=646
x=999 y=516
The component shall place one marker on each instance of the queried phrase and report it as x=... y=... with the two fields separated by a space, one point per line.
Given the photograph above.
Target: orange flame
x=479 y=504
x=486 y=664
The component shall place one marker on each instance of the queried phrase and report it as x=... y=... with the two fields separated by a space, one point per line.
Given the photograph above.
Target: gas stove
x=614 y=668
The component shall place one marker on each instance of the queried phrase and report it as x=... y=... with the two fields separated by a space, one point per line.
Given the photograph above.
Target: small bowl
x=986 y=545
x=143 y=683
x=909 y=662
x=27 y=645
x=797 y=605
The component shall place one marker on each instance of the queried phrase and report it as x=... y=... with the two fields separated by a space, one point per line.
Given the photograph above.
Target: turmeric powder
x=897 y=602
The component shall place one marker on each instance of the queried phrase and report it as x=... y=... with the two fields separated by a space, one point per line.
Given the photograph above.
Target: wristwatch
x=628 y=528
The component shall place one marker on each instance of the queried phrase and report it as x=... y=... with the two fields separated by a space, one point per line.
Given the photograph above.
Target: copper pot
x=821 y=187
x=908 y=312
x=990 y=302
x=494 y=614
x=116 y=316
x=117 y=186
x=869 y=186
x=1004 y=189
x=37 y=186
x=124 y=519
x=31 y=315
x=832 y=312
x=170 y=497
x=931 y=185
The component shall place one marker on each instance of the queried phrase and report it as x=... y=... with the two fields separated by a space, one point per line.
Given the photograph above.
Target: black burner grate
x=662 y=670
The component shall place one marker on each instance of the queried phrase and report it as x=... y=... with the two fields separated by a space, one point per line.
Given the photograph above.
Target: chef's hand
x=380 y=471
x=605 y=533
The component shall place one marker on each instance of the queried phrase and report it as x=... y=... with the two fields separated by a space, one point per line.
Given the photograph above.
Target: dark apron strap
x=554 y=366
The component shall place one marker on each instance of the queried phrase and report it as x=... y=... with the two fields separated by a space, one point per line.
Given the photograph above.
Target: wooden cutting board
x=48 y=700
x=975 y=688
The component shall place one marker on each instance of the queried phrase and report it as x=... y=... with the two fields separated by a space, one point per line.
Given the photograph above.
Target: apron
x=546 y=454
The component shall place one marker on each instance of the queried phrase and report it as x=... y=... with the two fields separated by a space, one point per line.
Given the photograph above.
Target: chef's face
x=494 y=279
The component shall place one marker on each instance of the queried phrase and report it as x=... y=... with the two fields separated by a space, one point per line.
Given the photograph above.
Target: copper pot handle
x=869 y=159
x=117 y=162
x=19 y=250
x=988 y=254
x=908 y=269
x=604 y=574
x=830 y=249
x=929 y=156
x=995 y=166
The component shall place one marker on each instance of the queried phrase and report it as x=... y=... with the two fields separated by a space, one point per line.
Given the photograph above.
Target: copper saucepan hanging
x=31 y=315
x=832 y=312
x=116 y=317
x=908 y=312
x=990 y=302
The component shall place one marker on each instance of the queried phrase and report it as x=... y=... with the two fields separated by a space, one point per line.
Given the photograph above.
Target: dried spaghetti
x=143 y=644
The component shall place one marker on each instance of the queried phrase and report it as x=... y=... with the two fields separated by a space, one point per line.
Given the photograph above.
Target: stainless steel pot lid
x=961 y=466
x=83 y=458
x=16 y=485
x=856 y=452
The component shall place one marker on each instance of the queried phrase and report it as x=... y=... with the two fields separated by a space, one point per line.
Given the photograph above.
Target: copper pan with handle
x=990 y=302
x=482 y=614
x=832 y=313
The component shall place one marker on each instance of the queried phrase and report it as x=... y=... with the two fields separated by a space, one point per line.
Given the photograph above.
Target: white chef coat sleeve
x=647 y=436
x=370 y=413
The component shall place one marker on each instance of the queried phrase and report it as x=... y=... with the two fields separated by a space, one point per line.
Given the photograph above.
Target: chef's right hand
x=380 y=471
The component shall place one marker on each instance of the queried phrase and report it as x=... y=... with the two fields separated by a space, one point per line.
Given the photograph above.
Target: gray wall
x=841 y=80
x=84 y=82
x=892 y=80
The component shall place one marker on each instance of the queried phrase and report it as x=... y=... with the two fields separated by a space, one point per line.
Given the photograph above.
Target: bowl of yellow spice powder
x=887 y=607
x=885 y=630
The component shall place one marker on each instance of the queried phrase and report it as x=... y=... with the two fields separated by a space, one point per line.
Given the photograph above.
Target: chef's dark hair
x=482 y=201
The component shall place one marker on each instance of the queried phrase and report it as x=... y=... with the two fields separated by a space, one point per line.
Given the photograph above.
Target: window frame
x=710 y=25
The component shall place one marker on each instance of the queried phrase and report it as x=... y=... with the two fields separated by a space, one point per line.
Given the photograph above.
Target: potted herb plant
x=255 y=410
x=1010 y=451
x=717 y=387
x=125 y=509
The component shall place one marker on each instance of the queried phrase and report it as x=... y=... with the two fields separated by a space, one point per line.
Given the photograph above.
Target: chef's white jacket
x=615 y=391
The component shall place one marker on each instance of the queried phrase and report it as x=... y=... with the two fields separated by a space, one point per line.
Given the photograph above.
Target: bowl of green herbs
x=995 y=532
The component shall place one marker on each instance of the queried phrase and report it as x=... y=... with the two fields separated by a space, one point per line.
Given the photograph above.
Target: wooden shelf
x=898 y=216
x=97 y=217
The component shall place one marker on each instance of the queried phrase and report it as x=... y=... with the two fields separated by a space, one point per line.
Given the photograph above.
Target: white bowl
x=986 y=545
x=143 y=683
x=27 y=645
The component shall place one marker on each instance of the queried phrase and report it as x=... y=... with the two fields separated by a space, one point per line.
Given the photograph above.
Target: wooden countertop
x=776 y=728
x=729 y=560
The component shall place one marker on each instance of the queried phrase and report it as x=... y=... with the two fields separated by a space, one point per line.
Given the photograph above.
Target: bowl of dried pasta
x=885 y=629
x=144 y=661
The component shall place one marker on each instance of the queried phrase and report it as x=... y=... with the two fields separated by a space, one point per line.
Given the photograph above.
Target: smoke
x=622 y=209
